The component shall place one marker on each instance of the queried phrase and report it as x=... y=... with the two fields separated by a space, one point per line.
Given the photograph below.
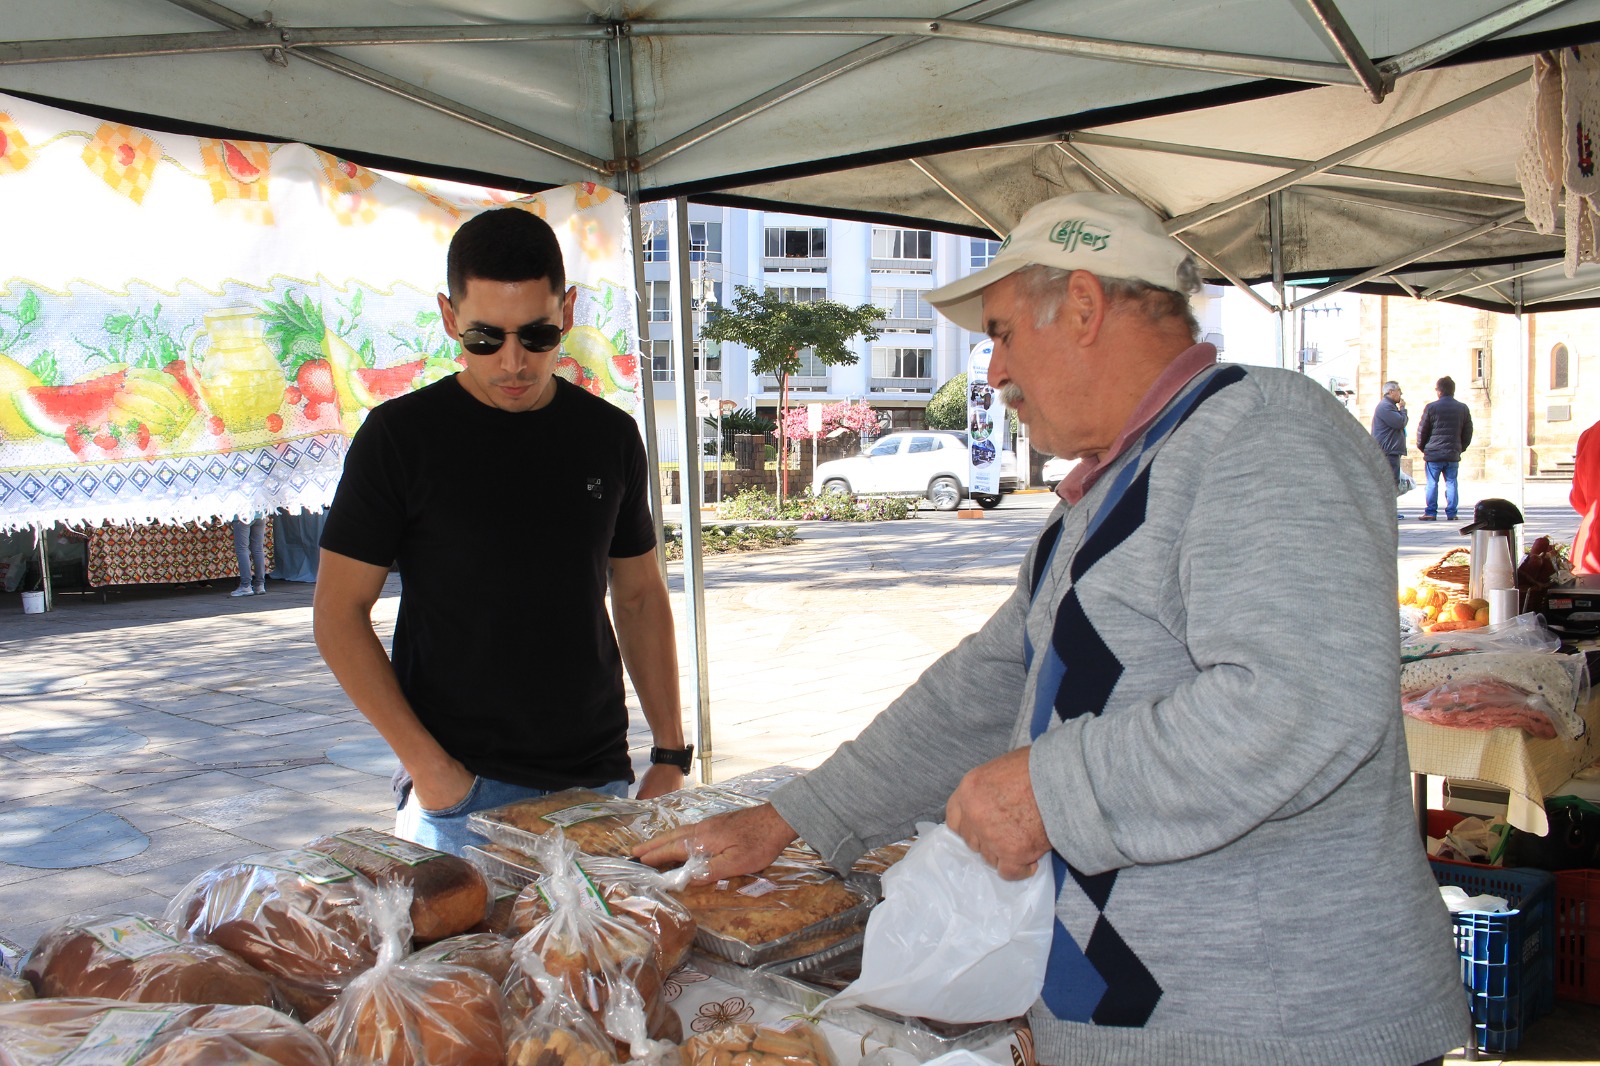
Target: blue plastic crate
x=1507 y=959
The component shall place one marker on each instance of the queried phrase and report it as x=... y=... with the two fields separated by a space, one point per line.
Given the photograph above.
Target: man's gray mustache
x=1011 y=395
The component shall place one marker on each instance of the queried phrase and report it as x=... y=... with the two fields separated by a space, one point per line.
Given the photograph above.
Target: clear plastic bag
x=1539 y=692
x=14 y=989
x=596 y=824
x=1525 y=632
x=625 y=890
x=448 y=894
x=137 y=959
x=50 y=1031
x=487 y=952
x=788 y=1043
x=556 y=1032
x=409 y=1012
x=952 y=940
x=604 y=966
x=295 y=915
x=776 y=913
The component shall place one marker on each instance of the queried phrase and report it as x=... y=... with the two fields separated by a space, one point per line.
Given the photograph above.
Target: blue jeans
x=1431 y=502
x=250 y=545
x=447 y=830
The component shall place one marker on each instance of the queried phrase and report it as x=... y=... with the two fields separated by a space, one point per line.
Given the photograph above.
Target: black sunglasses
x=535 y=337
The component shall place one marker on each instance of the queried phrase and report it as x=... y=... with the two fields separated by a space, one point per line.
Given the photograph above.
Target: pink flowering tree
x=857 y=418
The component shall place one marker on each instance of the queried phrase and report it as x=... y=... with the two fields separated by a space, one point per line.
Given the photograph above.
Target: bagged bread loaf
x=79 y=1030
x=138 y=959
x=786 y=1043
x=603 y=965
x=488 y=952
x=558 y=1033
x=295 y=916
x=448 y=894
x=625 y=890
x=596 y=824
x=410 y=1012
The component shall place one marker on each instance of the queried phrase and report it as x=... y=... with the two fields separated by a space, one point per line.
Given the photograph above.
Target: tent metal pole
x=1275 y=234
x=928 y=169
x=691 y=484
x=1249 y=66
x=1105 y=178
x=407 y=91
x=1410 y=257
x=1409 y=291
x=1448 y=44
x=623 y=136
x=860 y=57
x=1327 y=14
x=1519 y=438
x=1283 y=181
x=44 y=568
x=1228 y=155
x=1443 y=291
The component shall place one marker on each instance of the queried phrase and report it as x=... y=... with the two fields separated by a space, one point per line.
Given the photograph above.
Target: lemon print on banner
x=14 y=377
x=15 y=153
x=590 y=361
x=123 y=158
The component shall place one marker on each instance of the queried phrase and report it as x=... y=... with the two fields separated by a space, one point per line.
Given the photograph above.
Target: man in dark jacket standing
x=1389 y=428
x=1442 y=435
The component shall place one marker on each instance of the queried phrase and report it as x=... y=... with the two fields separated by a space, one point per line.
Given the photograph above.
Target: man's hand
x=740 y=842
x=993 y=810
x=659 y=780
x=443 y=786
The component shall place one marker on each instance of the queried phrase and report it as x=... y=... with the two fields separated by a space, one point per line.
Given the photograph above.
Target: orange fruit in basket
x=1481 y=615
x=1408 y=595
x=1463 y=612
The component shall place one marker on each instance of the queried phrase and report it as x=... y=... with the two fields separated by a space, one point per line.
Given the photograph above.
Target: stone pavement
x=149 y=738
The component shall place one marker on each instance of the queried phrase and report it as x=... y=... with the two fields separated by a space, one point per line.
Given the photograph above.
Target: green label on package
x=119 y=1037
x=401 y=851
x=591 y=899
x=588 y=812
x=309 y=865
x=130 y=937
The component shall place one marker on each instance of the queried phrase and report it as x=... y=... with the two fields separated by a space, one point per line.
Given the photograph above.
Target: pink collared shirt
x=1179 y=373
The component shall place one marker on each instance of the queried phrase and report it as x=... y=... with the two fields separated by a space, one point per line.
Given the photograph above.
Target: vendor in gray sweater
x=1188 y=708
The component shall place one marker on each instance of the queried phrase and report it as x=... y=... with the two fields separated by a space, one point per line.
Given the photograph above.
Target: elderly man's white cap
x=1109 y=236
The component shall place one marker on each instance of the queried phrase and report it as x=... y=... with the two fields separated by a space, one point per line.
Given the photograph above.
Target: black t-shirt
x=502 y=524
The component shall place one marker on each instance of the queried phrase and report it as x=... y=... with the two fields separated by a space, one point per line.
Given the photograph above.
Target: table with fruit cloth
x=160 y=553
x=1527 y=767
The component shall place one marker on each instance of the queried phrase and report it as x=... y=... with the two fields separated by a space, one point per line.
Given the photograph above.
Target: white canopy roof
x=913 y=112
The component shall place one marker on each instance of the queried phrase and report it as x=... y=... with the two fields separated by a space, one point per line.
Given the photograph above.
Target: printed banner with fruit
x=193 y=328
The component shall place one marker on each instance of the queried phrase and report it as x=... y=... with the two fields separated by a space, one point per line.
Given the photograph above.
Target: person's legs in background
x=241 y=550
x=258 y=555
x=1430 y=501
x=1394 y=468
x=1450 y=496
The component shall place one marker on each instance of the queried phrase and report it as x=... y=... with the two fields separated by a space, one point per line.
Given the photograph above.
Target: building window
x=655 y=248
x=983 y=253
x=797 y=243
x=790 y=294
x=708 y=365
x=1480 y=364
x=657 y=299
x=902 y=362
x=811 y=366
x=660 y=353
x=903 y=303
x=705 y=242
x=902 y=244
x=1560 y=367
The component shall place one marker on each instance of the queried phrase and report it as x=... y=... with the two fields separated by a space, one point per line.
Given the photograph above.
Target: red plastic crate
x=1578 y=935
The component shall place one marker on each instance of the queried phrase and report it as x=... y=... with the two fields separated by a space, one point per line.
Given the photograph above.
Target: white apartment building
x=812 y=259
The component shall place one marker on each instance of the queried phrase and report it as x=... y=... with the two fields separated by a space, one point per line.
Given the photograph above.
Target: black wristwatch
x=682 y=758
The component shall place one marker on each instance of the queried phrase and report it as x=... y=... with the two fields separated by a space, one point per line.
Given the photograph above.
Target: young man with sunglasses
x=511 y=501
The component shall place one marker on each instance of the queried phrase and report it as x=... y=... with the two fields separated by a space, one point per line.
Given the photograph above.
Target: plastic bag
x=787 y=1043
x=137 y=959
x=1404 y=484
x=148 y=1034
x=1538 y=692
x=596 y=824
x=556 y=1031
x=404 y=1012
x=487 y=952
x=952 y=940
x=448 y=894
x=775 y=914
x=1525 y=632
x=603 y=965
x=14 y=989
x=296 y=916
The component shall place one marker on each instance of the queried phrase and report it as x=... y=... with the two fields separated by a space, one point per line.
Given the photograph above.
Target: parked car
x=1055 y=469
x=930 y=462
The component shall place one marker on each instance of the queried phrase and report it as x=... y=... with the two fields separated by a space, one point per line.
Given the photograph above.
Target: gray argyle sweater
x=1206 y=670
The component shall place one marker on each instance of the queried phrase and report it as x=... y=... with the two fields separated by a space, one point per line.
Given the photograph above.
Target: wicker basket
x=1452 y=579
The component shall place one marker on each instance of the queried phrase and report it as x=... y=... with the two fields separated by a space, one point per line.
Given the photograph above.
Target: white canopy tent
x=1364 y=142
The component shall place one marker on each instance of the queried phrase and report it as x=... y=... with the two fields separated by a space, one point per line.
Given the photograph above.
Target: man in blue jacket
x=1389 y=428
x=1443 y=434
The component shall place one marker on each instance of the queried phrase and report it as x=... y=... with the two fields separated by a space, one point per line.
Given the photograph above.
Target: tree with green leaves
x=947 y=407
x=778 y=331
